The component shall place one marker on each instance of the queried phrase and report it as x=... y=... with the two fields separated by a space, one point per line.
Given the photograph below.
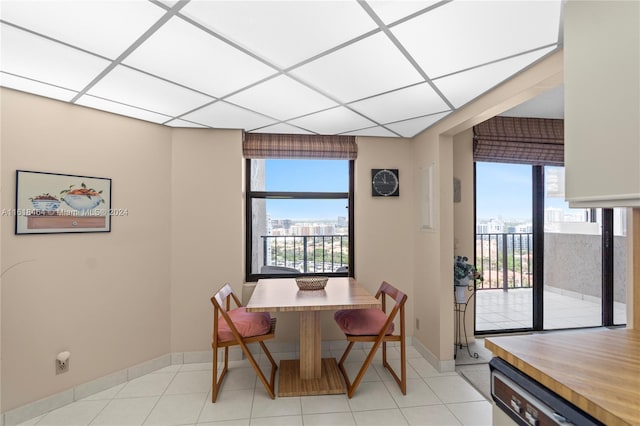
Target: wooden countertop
x=597 y=370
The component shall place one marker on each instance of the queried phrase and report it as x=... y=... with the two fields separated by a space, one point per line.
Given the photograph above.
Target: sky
x=307 y=175
x=504 y=190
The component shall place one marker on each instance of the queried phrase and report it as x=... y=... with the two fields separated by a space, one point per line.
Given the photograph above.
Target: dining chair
x=375 y=326
x=234 y=326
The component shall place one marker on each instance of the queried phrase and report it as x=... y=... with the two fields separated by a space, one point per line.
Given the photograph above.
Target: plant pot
x=460 y=293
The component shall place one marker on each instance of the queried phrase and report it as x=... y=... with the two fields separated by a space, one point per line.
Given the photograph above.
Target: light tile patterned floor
x=499 y=310
x=181 y=395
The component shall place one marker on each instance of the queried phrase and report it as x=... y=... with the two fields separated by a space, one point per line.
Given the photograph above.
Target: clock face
x=385 y=183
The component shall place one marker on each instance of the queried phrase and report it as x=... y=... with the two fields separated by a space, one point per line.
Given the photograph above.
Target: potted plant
x=464 y=276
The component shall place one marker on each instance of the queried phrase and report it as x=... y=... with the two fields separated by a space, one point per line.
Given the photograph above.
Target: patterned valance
x=537 y=141
x=271 y=145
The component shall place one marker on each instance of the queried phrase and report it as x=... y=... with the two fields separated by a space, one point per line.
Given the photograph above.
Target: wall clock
x=385 y=183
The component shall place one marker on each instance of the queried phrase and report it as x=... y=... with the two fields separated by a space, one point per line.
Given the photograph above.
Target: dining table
x=311 y=374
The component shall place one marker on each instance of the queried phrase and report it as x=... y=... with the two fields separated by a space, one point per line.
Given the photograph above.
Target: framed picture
x=49 y=203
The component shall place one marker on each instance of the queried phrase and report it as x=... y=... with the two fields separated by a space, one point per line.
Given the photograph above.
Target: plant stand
x=460 y=310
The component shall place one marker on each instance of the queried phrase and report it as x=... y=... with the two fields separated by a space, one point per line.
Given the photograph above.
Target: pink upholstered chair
x=377 y=327
x=236 y=326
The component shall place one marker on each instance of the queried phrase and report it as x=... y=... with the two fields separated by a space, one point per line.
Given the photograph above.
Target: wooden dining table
x=311 y=374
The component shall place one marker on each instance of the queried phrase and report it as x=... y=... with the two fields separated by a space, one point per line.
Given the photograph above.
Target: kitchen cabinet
x=602 y=103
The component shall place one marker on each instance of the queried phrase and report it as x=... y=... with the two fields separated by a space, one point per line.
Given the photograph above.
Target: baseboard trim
x=443 y=366
x=37 y=408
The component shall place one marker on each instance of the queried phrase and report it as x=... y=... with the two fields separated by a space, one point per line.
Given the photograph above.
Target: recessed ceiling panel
x=222 y=115
x=285 y=32
x=462 y=87
x=392 y=10
x=373 y=131
x=39 y=59
x=104 y=105
x=107 y=28
x=282 y=98
x=549 y=104
x=333 y=121
x=410 y=128
x=134 y=88
x=184 y=123
x=282 y=128
x=360 y=70
x=31 y=86
x=414 y=101
x=460 y=35
x=188 y=55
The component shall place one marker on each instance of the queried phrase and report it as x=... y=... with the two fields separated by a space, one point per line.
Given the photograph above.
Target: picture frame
x=53 y=203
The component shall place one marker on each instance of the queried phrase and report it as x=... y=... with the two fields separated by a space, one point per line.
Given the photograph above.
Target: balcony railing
x=505 y=260
x=307 y=253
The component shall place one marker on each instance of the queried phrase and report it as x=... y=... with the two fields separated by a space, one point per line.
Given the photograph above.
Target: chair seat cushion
x=362 y=322
x=248 y=324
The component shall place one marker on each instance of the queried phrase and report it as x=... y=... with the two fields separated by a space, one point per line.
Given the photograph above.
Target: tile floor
x=499 y=310
x=181 y=395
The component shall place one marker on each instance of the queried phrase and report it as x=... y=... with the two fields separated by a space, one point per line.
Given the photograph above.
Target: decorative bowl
x=311 y=283
x=82 y=202
x=46 y=207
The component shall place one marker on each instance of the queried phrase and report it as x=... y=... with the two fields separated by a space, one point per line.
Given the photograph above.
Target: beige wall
x=207 y=223
x=463 y=212
x=102 y=296
x=383 y=225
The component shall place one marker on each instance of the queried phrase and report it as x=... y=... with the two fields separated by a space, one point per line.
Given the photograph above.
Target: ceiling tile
x=333 y=121
x=107 y=28
x=363 y=69
x=222 y=115
x=184 y=123
x=462 y=87
x=282 y=128
x=36 y=58
x=464 y=34
x=372 y=131
x=31 y=86
x=282 y=98
x=285 y=32
x=392 y=10
x=549 y=104
x=140 y=90
x=116 y=108
x=414 y=101
x=188 y=55
x=410 y=128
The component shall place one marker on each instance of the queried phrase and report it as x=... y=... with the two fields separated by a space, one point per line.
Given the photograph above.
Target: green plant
x=463 y=270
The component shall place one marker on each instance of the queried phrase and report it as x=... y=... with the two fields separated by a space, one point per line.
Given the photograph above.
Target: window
x=299 y=217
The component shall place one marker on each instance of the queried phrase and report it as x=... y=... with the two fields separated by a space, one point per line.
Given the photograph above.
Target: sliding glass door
x=544 y=265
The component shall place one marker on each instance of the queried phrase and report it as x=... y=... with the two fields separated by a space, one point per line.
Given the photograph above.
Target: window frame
x=251 y=195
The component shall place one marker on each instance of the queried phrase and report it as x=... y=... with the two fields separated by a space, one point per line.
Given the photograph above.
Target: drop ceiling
x=370 y=68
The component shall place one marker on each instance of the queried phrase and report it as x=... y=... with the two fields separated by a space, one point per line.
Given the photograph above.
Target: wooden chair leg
x=217 y=382
x=268 y=385
x=351 y=387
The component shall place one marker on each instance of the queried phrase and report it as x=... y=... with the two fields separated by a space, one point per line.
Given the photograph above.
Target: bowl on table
x=311 y=283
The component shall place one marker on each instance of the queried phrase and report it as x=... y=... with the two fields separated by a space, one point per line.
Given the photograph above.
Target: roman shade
x=272 y=145
x=536 y=141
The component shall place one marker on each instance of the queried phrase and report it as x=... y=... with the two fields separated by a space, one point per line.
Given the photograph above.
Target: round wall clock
x=385 y=183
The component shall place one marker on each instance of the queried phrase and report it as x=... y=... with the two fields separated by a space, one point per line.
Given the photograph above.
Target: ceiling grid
x=366 y=68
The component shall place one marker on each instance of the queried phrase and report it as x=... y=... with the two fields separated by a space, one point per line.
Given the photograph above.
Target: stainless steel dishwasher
x=528 y=402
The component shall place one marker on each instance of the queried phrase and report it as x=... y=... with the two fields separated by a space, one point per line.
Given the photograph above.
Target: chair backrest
x=221 y=305
x=387 y=290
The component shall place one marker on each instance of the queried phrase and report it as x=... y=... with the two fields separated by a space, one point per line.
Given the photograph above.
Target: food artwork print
x=57 y=203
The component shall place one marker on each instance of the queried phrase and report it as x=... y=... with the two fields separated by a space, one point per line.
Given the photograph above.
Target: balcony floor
x=499 y=310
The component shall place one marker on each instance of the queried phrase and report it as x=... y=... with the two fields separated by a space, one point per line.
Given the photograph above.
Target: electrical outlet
x=417 y=324
x=62 y=367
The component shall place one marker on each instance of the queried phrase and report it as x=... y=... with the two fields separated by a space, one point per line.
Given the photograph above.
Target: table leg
x=310 y=345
